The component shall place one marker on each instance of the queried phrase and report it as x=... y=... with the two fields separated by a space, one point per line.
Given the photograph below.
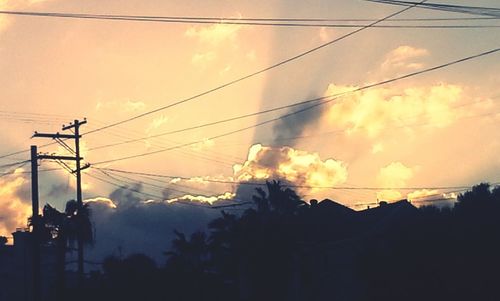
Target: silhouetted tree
x=191 y=255
x=63 y=229
x=3 y=240
x=392 y=252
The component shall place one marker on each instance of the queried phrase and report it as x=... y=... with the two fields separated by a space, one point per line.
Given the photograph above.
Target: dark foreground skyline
x=285 y=249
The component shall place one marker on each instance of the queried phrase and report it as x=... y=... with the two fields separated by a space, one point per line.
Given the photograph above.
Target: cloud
x=404 y=58
x=101 y=201
x=203 y=199
x=14 y=5
x=203 y=59
x=432 y=197
x=251 y=55
x=325 y=34
x=14 y=211
x=421 y=194
x=213 y=42
x=396 y=174
x=294 y=166
x=294 y=125
x=377 y=148
x=127 y=223
x=134 y=106
x=157 y=123
x=214 y=35
x=128 y=106
x=372 y=111
x=203 y=145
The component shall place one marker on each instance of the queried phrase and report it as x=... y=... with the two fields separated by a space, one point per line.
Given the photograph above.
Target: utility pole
x=76 y=125
x=35 y=221
x=77 y=158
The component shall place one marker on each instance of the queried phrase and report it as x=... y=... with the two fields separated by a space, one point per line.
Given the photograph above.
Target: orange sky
x=438 y=129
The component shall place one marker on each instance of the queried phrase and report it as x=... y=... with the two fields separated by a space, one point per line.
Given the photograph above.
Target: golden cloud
x=422 y=193
x=14 y=4
x=214 y=34
x=374 y=110
x=403 y=58
x=14 y=211
x=202 y=199
x=393 y=175
x=102 y=201
x=295 y=166
x=157 y=123
x=202 y=59
x=128 y=106
x=203 y=145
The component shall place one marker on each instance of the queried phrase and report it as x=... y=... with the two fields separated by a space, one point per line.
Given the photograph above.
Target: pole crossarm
x=73 y=125
x=56 y=136
x=52 y=157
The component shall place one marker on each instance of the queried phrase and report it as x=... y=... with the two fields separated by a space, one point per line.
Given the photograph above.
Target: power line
x=141 y=182
x=28 y=172
x=218 y=157
x=276 y=65
x=15 y=163
x=13 y=154
x=157 y=196
x=475 y=10
x=225 y=121
x=25 y=151
x=284 y=184
x=323 y=100
x=161 y=181
x=232 y=21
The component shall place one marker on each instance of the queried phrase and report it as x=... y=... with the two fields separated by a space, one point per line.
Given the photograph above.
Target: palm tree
x=62 y=229
x=283 y=201
x=191 y=255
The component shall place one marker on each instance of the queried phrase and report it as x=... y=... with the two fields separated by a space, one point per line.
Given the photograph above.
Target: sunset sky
x=433 y=130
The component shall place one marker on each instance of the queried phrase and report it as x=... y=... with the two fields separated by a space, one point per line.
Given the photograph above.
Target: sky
x=438 y=129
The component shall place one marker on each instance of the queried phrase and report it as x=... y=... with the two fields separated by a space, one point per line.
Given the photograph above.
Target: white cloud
x=128 y=106
x=203 y=59
x=325 y=34
x=14 y=5
x=134 y=106
x=394 y=175
x=205 y=144
x=202 y=198
x=214 y=35
x=14 y=211
x=251 y=55
x=372 y=111
x=422 y=193
x=295 y=166
x=102 y=201
x=404 y=58
x=377 y=148
x=157 y=123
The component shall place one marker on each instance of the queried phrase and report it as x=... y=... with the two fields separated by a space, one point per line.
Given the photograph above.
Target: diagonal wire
x=276 y=65
x=323 y=100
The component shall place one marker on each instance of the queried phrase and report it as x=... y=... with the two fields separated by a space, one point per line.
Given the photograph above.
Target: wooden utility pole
x=35 y=221
x=77 y=158
x=76 y=125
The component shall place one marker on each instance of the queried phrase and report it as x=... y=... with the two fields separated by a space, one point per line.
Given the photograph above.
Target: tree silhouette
x=62 y=229
x=189 y=255
x=284 y=249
